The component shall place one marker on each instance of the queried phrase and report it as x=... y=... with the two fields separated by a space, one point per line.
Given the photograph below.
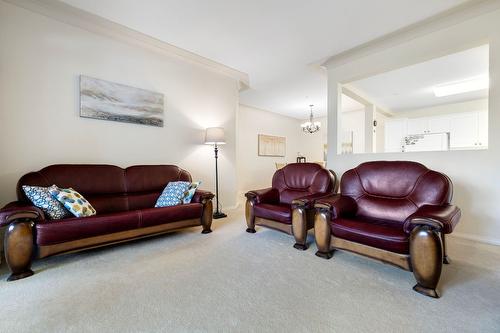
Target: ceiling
x=412 y=87
x=275 y=42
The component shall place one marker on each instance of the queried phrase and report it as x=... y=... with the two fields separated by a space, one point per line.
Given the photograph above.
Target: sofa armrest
x=338 y=205
x=268 y=195
x=308 y=201
x=201 y=196
x=18 y=210
x=442 y=218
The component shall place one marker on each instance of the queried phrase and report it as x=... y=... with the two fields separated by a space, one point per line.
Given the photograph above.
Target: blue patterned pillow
x=172 y=194
x=190 y=192
x=41 y=198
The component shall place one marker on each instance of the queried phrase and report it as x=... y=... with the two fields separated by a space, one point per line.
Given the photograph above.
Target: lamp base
x=219 y=215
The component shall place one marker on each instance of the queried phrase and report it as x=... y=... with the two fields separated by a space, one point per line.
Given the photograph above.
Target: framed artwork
x=106 y=100
x=270 y=145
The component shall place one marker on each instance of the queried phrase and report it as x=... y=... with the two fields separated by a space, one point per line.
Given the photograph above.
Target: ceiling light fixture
x=311 y=126
x=460 y=87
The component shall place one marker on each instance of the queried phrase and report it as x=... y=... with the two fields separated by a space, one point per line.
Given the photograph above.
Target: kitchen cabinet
x=482 y=129
x=463 y=130
x=467 y=130
x=427 y=125
x=439 y=124
x=395 y=131
x=418 y=126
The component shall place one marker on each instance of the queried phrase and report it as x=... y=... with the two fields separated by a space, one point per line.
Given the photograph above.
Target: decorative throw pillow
x=73 y=201
x=41 y=198
x=188 y=196
x=172 y=194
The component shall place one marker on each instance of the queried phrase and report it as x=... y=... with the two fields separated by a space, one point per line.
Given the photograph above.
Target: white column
x=370 y=140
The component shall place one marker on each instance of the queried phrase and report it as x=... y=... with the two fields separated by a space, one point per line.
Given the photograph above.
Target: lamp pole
x=218 y=214
x=215 y=136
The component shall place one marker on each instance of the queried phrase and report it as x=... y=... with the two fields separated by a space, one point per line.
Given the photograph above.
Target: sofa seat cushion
x=155 y=216
x=281 y=213
x=66 y=230
x=384 y=235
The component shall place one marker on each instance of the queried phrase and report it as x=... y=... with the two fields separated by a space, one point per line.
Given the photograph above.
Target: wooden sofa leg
x=446 y=258
x=250 y=217
x=322 y=233
x=426 y=257
x=299 y=228
x=19 y=248
x=206 y=218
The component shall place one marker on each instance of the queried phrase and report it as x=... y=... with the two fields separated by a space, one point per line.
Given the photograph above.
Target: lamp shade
x=214 y=136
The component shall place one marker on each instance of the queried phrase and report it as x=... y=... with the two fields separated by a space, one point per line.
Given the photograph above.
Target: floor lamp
x=215 y=136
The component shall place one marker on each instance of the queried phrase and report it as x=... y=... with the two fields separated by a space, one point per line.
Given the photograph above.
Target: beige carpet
x=232 y=281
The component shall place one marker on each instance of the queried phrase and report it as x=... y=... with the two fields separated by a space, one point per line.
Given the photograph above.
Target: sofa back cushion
x=102 y=185
x=146 y=182
x=108 y=188
x=393 y=190
x=296 y=180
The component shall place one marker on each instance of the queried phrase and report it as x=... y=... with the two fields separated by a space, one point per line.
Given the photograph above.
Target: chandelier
x=310 y=126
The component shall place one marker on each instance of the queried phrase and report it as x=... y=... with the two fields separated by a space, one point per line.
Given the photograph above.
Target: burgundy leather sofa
x=397 y=212
x=123 y=198
x=288 y=205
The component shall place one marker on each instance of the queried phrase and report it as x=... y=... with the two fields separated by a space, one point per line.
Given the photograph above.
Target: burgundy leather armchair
x=124 y=200
x=288 y=205
x=397 y=212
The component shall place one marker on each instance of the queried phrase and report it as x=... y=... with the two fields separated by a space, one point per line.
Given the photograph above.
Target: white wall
x=40 y=61
x=474 y=173
x=255 y=171
x=312 y=143
x=380 y=131
x=467 y=106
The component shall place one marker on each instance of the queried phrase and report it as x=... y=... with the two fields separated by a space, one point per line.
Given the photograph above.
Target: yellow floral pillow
x=73 y=201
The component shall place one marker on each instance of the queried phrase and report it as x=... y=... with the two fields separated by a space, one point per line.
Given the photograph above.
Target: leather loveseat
x=123 y=198
x=288 y=205
x=395 y=211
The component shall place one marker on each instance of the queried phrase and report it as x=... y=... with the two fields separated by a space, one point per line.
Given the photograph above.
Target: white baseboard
x=480 y=239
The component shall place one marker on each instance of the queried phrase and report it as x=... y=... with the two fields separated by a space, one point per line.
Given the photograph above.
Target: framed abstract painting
x=100 y=99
